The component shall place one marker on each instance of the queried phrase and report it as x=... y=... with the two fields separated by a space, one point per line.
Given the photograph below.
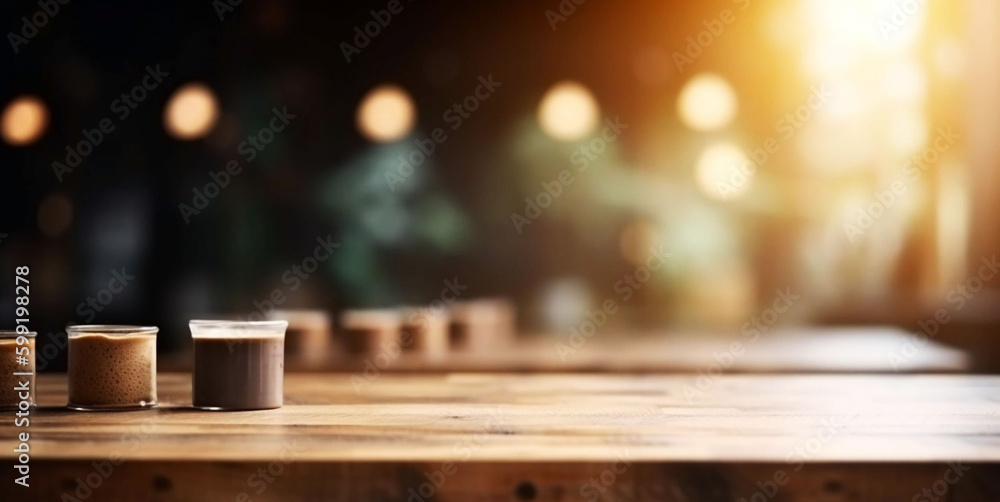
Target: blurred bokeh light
x=723 y=171
x=191 y=112
x=568 y=111
x=564 y=302
x=706 y=103
x=25 y=119
x=750 y=154
x=387 y=113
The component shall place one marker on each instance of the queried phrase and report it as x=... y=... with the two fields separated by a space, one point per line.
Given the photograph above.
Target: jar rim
x=263 y=325
x=110 y=329
x=227 y=329
x=10 y=333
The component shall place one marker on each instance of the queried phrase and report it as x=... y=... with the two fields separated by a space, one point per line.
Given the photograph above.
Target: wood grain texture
x=544 y=437
x=550 y=418
x=494 y=482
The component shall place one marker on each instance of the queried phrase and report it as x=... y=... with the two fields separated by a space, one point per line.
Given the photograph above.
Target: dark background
x=286 y=54
x=320 y=177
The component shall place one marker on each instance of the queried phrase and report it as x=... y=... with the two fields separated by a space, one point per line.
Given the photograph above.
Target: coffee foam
x=112 y=370
x=235 y=333
x=9 y=365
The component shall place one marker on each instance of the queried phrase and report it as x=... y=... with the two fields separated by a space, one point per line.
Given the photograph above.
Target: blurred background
x=691 y=161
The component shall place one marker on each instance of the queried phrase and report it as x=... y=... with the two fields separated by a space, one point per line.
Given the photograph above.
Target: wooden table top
x=545 y=417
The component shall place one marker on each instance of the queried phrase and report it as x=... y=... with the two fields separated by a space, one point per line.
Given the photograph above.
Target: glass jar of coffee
x=17 y=369
x=238 y=365
x=112 y=367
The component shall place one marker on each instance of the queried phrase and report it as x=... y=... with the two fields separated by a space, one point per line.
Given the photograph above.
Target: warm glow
x=949 y=59
x=24 y=120
x=867 y=55
x=55 y=214
x=707 y=103
x=635 y=240
x=724 y=172
x=386 y=114
x=849 y=31
x=953 y=216
x=191 y=112
x=653 y=66
x=907 y=132
x=904 y=80
x=568 y=111
x=837 y=148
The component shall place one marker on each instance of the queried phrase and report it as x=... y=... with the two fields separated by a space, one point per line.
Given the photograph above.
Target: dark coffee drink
x=425 y=331
x=17 y=358
x=238 y=366
x=367 y=332
x=239 y=373
x=111 y=367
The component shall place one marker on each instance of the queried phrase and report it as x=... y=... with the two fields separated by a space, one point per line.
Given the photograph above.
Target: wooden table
x=550 y=437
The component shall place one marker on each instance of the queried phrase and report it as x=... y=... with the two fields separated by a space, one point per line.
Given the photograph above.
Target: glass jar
x=17 y=370
x=238 y=365
x=112 y=367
